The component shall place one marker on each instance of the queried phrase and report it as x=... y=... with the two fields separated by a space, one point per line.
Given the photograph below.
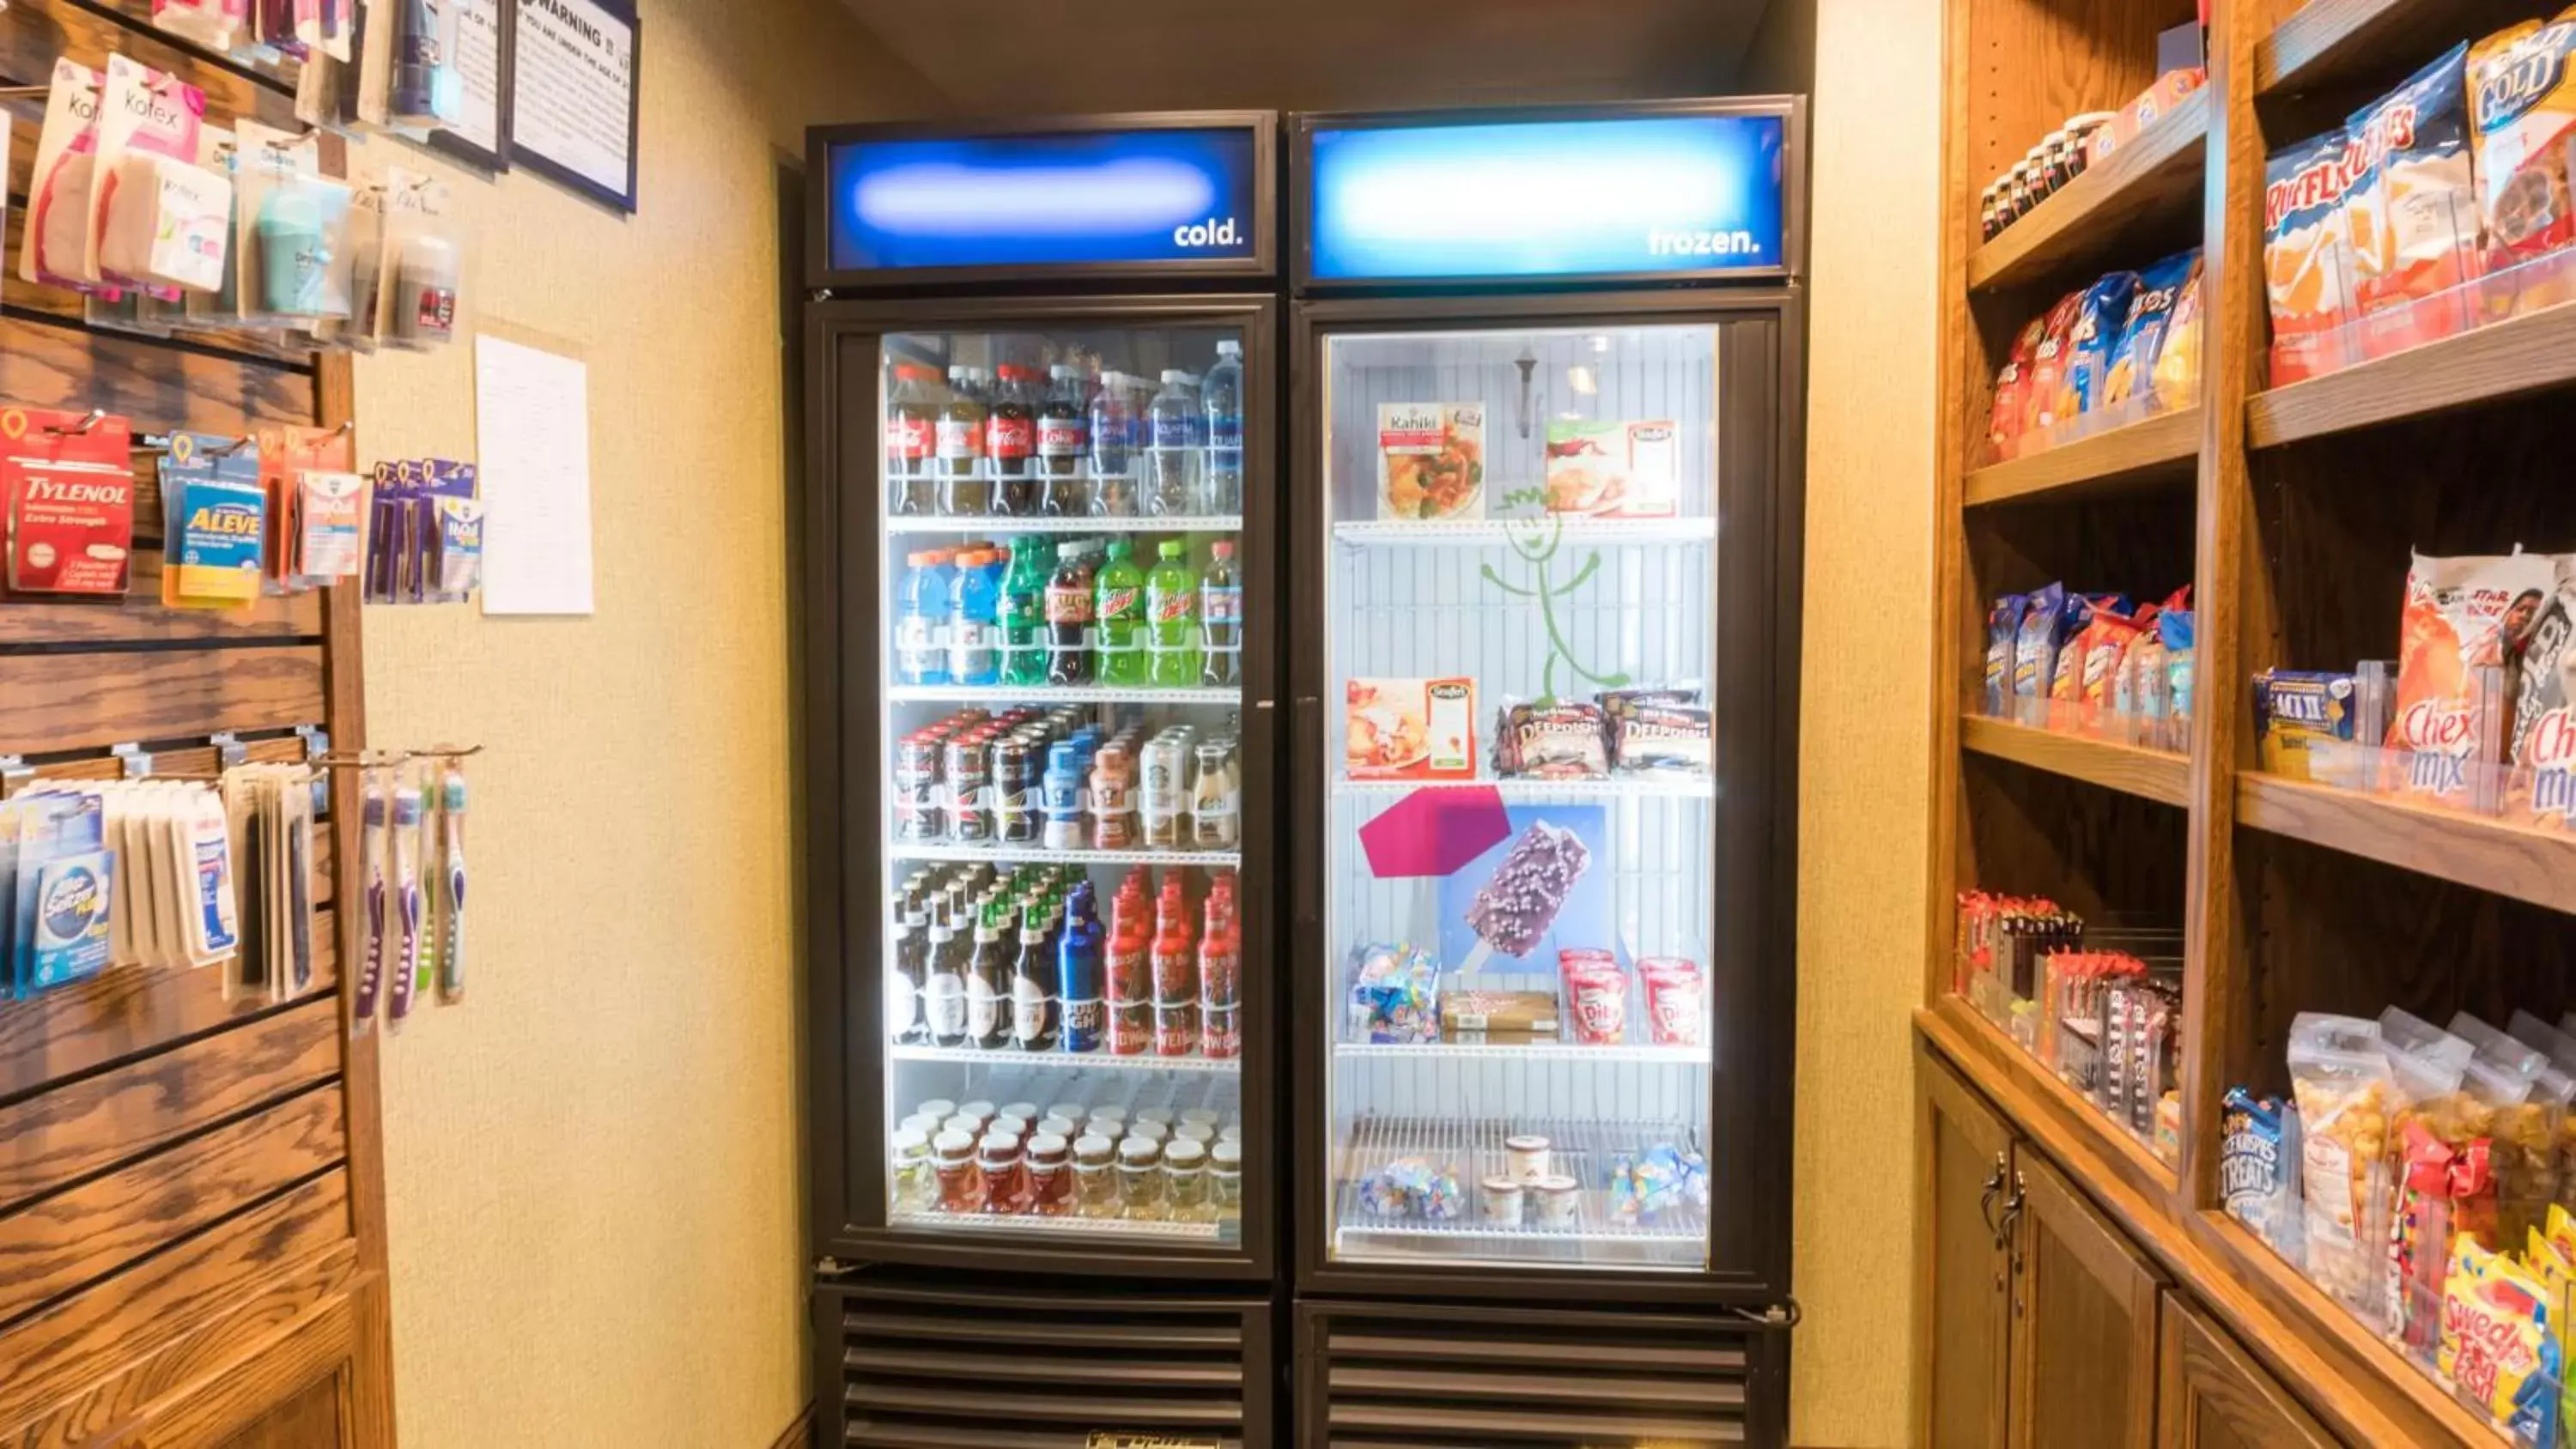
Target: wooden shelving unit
x=2292 y=511
x=2157 y=451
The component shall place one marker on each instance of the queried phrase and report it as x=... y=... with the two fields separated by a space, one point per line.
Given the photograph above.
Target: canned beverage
x=1216 y=798
x=1131 y=1028
x=1013 y=766
x=970 y=798
x=1165 y=790
x=920 y=790
x=1220 y=1031
x=1113 y=789
x=1176 y=1029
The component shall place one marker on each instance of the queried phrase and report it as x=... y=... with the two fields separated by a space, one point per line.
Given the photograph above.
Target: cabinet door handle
x=2011 y=1234
x=1986 y=1201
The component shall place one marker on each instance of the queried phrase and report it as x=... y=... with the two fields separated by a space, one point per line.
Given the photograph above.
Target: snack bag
x=2142 y=335
x=2295 y=709
x=2105 y=644
x=2543 y=686
x=2258 y=1170
x=2522 y=104
x=2177 y=375
x=2556 y=1270
x=2035 y=652
x=2003 y=625
x=2066 y=682
x=2462 y=615
x=2412 y=212
x=2174 y=627
x=2048 y=369
x=2500 y=1344
x=2340 y=1082
x=2306 y=253
x=2012 y=388
x=2090 y=343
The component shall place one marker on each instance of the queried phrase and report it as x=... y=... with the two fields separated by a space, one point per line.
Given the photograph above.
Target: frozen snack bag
x=2522 y=104
x=2307 y=253
x=2412 y=211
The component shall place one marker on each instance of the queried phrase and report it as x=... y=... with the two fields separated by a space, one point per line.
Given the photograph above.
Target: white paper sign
x=478 y=65
x=532 y=420
x=573 y=92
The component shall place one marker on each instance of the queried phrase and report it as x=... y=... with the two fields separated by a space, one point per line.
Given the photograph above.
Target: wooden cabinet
x=1967 y=1159
x=2083 y=1319
x=2211 y=1396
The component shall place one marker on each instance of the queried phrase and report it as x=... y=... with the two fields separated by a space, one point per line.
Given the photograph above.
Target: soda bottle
x=921 y=625
x=908 y=981
x=1131 y=976
x=1021 y=612
x=1033 y=974
x=1068 y=615
x=1221 y=619
x=1222 y=489
x=988 y=984
x=1119 y=618
x=1172 y=606
x=912 y=432
x=1221 y=974
x=1172 y=459
x=1174 y=962
x=1078 y=974
x=1064 y=439
x=964 y=486
x=1113 y=458
x=1012 y=441
x=943 y=994
x=974 y=630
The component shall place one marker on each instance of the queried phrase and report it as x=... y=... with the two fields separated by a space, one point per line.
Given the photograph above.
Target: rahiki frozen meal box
x=2307 y=253
x=1430 y=461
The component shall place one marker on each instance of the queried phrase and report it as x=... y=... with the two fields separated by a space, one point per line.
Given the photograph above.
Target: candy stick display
x=1520 y=901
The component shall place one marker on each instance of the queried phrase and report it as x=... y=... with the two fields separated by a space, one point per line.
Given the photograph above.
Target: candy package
x=1414 y=1187
x=2340 y=1082
x=2142 y=333
x=1395 y=995
x=2499 y=1347
x=2411 y=213
x=2293 y=711
x=2177 y=374
x=2307 y=253
x=2523 y=110
x=2462 y=616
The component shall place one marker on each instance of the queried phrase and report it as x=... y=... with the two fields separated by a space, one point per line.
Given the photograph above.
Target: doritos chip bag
x=2522 y=104
x=2306 y=253
x=2412 y=212
x=2142 y=334
x=2178 y=364
x=2090 y=343
x=2048 y=367
x=2012 y=389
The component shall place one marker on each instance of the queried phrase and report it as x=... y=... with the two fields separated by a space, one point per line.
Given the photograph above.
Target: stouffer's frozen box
x=1613 y=469
x=1430 y=461
x=1410 y=729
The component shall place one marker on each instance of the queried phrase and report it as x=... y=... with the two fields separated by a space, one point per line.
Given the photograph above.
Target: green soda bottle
x=1172 y=606
x=1022 y=614
x=1119 y=615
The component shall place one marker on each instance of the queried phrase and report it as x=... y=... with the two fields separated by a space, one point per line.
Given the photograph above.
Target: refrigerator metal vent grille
x=986 y=1369
x=1567 y=1384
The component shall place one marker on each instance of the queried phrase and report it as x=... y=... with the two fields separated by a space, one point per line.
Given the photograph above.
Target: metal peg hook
x=82 y=428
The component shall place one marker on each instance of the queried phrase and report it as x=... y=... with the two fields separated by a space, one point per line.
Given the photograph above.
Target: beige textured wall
x=1863 y=770
x=593 y=1168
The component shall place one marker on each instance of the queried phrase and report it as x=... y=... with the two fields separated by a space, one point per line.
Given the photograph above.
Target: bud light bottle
x=1081 y=979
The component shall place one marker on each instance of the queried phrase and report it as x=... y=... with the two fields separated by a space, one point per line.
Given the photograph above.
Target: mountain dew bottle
x=1120 y=616
x=1022 y=614
x=1172 y=615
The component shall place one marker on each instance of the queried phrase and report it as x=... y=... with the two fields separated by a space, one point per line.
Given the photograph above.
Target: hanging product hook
x=83 y=427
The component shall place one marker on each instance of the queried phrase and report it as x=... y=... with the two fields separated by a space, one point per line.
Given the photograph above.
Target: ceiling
x=1035 y=57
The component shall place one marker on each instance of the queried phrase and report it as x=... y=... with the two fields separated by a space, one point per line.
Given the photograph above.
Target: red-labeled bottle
x=1176 y=974
x=1131 y=975
x=1221 y=974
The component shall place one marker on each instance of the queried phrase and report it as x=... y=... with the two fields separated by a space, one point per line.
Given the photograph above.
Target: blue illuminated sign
x=1034 y=201
x=1650 y=195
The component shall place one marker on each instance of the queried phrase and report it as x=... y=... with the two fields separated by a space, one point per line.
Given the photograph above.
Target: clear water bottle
x=1222 y=490
x=1113 y=461
x=1179 y=441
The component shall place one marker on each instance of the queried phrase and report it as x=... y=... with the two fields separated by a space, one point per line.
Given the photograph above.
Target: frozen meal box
x=1409 y=729
x=1430 y=460
x=1610 y=469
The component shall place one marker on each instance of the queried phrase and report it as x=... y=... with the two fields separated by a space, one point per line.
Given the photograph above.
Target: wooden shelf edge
x=2326 y=41
x=2521 y=861
x=2119 y=459
x=2145 y=1173
x=2089 y=208
x=2157 y=775
x=2354 y=1391
x=2504 y=360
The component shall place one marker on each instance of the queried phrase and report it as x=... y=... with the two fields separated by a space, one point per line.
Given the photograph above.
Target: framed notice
x=573 y=95
x=484 y=42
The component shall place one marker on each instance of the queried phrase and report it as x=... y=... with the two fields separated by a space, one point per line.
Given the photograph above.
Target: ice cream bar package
x=2142 y=332
x=2412 y=214
x=1517 y=904
x=2307 y=253
x=2522 y=103
x=2090 y=343
x=2293 y=711
x=2462 y=616
x=2544 y=707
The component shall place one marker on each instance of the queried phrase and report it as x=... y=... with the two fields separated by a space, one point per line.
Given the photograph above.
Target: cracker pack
x=2412 y=212
x=2306 y=252
x=2522 y=105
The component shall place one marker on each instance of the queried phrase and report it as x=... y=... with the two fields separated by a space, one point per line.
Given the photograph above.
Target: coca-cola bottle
x=1064 y=443
x=965 y=487
x=911 y=427
x=1011 y=442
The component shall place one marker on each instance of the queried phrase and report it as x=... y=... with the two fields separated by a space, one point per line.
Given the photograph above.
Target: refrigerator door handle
x=1303 y=742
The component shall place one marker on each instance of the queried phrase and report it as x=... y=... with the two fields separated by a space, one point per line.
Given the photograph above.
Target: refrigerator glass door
x=1061 y=685
x=1520 y=636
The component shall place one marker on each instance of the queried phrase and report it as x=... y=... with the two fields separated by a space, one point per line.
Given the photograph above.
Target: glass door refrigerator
x=1545 y=537
x=1040 y=662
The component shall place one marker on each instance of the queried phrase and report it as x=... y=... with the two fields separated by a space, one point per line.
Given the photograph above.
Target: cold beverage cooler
x=1041 y=618
x=1545 y=520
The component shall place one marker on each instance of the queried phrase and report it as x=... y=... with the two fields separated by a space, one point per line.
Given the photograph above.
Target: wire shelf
x=1540 y=792
x=992 y=523
x=1054 y=694
x=1207 y=1232
x=1147 y=1062
x=1490 y=532
x=1555 y=1051
x=1584 y=1150
x=1017 y=854
x=1050 y=1078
